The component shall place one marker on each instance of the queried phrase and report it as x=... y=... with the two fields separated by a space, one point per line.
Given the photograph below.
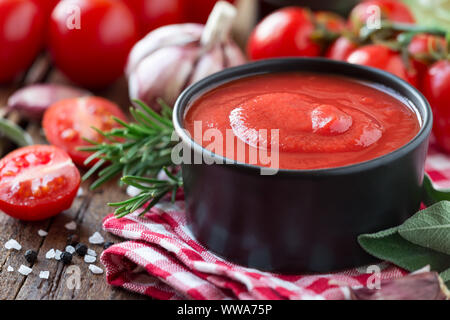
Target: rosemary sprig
x=137 y=151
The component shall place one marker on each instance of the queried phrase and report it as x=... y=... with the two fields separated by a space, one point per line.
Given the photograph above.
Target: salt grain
x=58 y=254
x=70 y=249
x=24 y=270
x=44 y=274
x=12 y=244
x=92 y=253
x=89 y=259
x=80 y=192
x=10 y=269
x=42 y=233
x=50 y=254
x=95 y=270
x=71 y=225
x=96 y=238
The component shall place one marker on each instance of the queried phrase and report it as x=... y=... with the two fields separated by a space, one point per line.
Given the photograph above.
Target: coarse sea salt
x=89 y=259
x=70 y=225
x=13 y=244
x=95 y=270
x=70 y=249
x=92 y=253
x=50 y=254
x=24 y=270
x=10 y=269
x=44 y=274
x=42 y=233
x=96 y=238
x=80 y=192
x=58 y=254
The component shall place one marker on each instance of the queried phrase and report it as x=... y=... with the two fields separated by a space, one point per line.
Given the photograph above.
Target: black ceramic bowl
x=301 y=220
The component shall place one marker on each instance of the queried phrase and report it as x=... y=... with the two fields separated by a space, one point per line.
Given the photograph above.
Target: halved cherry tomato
x=90 y=40
x=68 y=121
x=22 y=25
x=341 y=48
x=392 y=10
x=37 y=182
x=285 y=33
x=436 y=88
x=382 y=57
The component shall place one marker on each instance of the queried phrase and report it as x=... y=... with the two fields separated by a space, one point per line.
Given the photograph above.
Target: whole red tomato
x=331 y=21
x=22 y=27
x=340 y=49
x=392 y=10
x=68 y=122
x=382 y=57
x=152 y=14
x=37 y=182
x=90 y=40
x=421 y=49
x=46 y=5
x=436 y=88
x=286 y=32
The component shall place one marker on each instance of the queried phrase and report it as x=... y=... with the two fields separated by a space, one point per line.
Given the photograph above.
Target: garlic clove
x=171 y=35
x=233 y=55
x=210 y=62
x=163 y=74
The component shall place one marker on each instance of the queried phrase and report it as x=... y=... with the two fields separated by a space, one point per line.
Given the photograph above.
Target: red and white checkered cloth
x=164 y=261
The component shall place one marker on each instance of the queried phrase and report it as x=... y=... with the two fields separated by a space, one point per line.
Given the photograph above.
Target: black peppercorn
x=31 y=256
x=73 y=240
x=108 y=244
x=81 y=249
x=66 y=257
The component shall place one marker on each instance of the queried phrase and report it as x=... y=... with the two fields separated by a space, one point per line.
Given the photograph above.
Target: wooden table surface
x=87 y=211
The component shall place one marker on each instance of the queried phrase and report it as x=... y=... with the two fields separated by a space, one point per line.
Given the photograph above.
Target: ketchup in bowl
x=324 y=121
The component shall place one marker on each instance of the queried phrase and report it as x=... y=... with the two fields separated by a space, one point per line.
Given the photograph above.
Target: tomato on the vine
x=422 y=49
x=436 y=88
x=90 y=44
x=382 y=57
x=341 y=48
x=371 y=10
x=68 y=121
x=152 y=14
x=37 y=182
x=331 y=21
x=286 y=32
x=22 y=25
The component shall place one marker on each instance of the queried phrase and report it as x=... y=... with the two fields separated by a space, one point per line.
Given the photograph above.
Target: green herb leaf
x=389 y=245
x=429 y=228
x=15 y=133
x=431 y=195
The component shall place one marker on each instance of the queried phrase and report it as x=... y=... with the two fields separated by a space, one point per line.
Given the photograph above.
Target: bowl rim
x=260 y=67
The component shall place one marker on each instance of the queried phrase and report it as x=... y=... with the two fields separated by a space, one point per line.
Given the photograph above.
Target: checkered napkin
x=161 y=259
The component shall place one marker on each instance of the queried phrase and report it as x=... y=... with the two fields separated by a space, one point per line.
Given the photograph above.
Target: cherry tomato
x=436 y=88
x=152 y=14
x=421 y=49
x=331 y=21
x=46 y=5
x=392 y=10
x=90 y=40
x=198 y=10
x=37 y=182
x=340 y=49
x=68 y=121
x=22 y=27
x=286 y=32
x=382 y=57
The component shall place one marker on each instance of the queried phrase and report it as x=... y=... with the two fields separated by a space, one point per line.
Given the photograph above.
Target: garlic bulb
x=171 y=58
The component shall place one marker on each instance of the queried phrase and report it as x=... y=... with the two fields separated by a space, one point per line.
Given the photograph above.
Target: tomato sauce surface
x=323 y=121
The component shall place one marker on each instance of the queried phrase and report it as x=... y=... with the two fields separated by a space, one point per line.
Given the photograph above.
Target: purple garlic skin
x=420 y=286
x=173 y=57
x=32 y=101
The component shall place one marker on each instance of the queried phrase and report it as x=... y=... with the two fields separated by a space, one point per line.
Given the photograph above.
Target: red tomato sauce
x=323 y=121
